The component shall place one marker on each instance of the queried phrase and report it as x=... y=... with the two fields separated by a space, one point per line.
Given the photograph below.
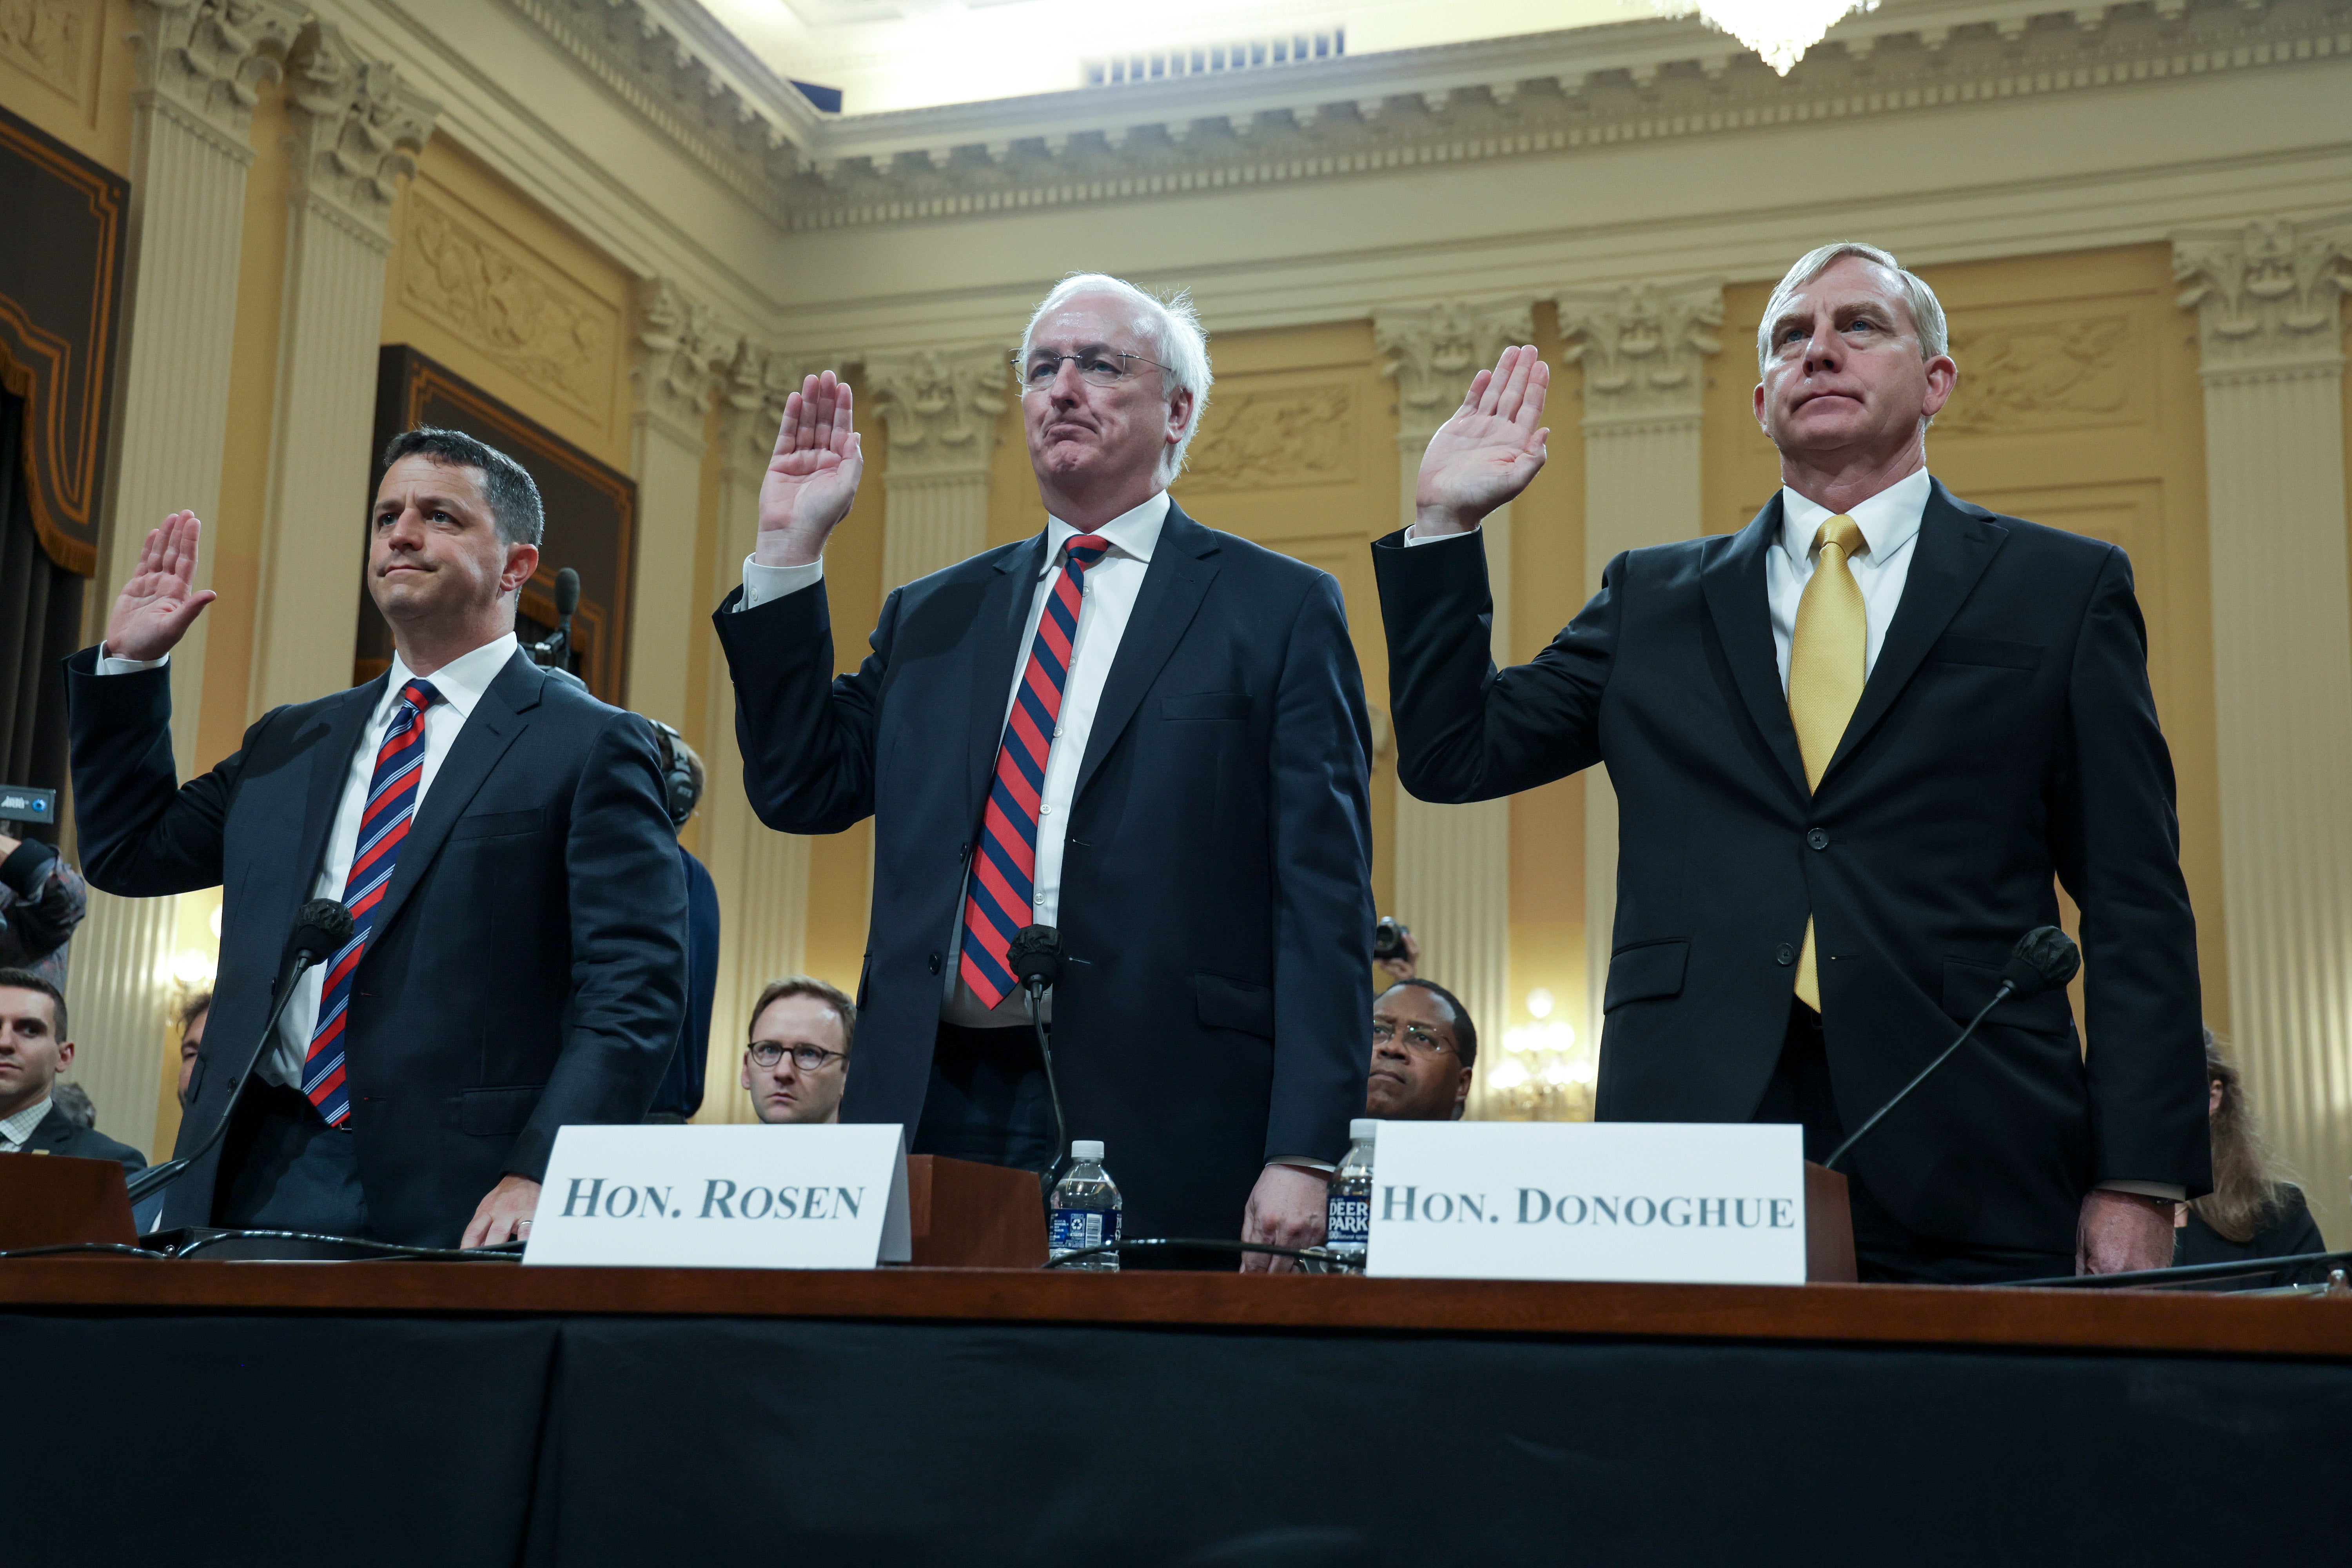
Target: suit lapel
x=332 y=734
x=1953 y=550
x=1733 y=581
x=996 y=644
x=1174 y=586
x=501 y=715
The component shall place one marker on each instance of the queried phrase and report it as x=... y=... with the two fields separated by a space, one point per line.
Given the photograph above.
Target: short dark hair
x=830 y=994
x=198 y=1004
x=25 y=980
x=1465 y=1033
x=505 y=485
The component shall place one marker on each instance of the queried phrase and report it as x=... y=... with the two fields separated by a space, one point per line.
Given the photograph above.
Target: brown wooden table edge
x=1880 y=1315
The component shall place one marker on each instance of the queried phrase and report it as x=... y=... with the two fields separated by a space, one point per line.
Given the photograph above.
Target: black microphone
x=320 y=929
x=556 y=646
x=2044 y=959
x=1035 y=958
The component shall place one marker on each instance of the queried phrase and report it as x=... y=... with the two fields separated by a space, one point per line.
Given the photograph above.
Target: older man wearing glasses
x=1147 y=734
x=797 y=1062
x=1424 y=1047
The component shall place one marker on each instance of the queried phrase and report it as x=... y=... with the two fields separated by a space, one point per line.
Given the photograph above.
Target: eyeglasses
x=1100 y=366
x=1416 y=1039
x=808 y=1059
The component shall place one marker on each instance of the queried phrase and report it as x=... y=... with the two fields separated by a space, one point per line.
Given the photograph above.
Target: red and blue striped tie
x=383 y=824
x=1003 y=874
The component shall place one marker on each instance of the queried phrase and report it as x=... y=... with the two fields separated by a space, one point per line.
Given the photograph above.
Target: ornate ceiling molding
x=1367 y=114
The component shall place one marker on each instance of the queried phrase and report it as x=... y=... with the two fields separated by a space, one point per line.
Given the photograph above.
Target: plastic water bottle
x=1348 y=1221
x=1085 y=1209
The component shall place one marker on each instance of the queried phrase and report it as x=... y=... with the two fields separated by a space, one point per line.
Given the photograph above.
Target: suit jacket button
x=1784 y=953
x=1817 y=840
x=935 y=963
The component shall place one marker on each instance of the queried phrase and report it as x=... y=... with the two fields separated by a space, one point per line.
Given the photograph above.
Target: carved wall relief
x=1300 y=435
x=50 y=38
x=507 y=308
x=2034 y=376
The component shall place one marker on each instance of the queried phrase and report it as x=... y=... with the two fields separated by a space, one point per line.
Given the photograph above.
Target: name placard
x=1622 y=1200
x=736 y=1197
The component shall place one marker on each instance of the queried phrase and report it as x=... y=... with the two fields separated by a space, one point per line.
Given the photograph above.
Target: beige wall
x=66 y=67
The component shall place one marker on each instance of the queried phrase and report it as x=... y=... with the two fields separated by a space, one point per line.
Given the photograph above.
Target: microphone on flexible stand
x=555 y=649
x=320 y=929
x=2044 y=959
x=1035 y=958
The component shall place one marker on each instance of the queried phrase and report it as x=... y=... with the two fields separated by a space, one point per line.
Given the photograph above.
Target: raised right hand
x=1489 y=452
x=812 y=477
x=160 y=602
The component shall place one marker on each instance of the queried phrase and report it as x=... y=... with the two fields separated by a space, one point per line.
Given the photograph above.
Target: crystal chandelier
x=1542 y=1077
x=1780 y=30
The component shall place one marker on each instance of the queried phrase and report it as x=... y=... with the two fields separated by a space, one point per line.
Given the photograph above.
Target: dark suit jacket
x=60 y=1134
x=681 y=1091
x=2292 y=1234
x=528 y=965
x=2006 y=737
x=1215 y=901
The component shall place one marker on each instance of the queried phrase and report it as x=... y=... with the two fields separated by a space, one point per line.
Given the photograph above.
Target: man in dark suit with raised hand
x=1147 y=733
x=1852 y=745
x=517 y=958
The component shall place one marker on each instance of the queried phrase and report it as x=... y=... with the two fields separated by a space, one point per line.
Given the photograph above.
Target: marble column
x=1644 y=349
x=200 y=62
x=356 y=129
x=681 y=350
x=2265 y=294
x=1454 y=862
x=942 y=407
x=761 y=874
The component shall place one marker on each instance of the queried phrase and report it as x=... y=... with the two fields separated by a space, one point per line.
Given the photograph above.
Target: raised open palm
x=160 y=602
x=812 y=476
x=1490 y=450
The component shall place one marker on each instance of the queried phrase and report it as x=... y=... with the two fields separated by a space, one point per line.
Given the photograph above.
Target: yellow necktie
x=1826 y=665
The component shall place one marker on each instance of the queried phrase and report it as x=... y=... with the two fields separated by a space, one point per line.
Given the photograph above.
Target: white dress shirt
x=461 y=683
x=1112 y=584
x=1889 y=523
x=16 y=1128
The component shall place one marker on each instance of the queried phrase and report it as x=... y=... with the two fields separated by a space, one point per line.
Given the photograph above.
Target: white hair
x=1926 y=310
x=1174 y=328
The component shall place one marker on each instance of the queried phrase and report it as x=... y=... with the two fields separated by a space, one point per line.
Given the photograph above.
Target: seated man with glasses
x=1424 y=1045
x=797 y=1062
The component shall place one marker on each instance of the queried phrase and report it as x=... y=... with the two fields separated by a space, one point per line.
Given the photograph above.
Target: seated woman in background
x=2248 y=1214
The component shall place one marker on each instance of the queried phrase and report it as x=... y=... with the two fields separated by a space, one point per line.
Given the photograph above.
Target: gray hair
x=1173 y=327
x=507 y=485
x=1926 y=310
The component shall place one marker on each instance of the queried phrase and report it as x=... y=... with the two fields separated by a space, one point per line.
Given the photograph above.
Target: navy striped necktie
x=1003 y=873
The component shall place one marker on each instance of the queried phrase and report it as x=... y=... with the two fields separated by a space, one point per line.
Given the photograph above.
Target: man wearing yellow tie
x=1856 y=746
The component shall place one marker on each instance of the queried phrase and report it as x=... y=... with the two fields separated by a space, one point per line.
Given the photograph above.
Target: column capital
x=207 y=60
x=1643 y=347
x=1435 y=350
x=2265 y=292
x=942 y=406
x=357 y=127
x=682 y=353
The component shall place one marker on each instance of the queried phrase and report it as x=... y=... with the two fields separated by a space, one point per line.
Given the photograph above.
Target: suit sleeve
x=142 y=833
x=2116 y=845
x=806 y=736
x=45 y=899
x=1322 y=892
x=628 y=946
x=1464 y=730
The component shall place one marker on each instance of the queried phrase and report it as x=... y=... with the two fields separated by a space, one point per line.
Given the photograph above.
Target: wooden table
x=459 y=1413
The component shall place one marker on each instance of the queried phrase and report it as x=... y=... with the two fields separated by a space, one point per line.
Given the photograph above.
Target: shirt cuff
x=761 y=584
x=1300 y=1162
x=2171 y=1191
x=1412 y=539
x=110 y=665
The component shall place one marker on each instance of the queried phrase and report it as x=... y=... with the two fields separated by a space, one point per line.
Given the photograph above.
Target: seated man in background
x=34 y=1048
x=1423 y=1045
x=42 y=899
x=679 y=1094
x=797 y=1062
x=193 y=1014
x=2250 y=1213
